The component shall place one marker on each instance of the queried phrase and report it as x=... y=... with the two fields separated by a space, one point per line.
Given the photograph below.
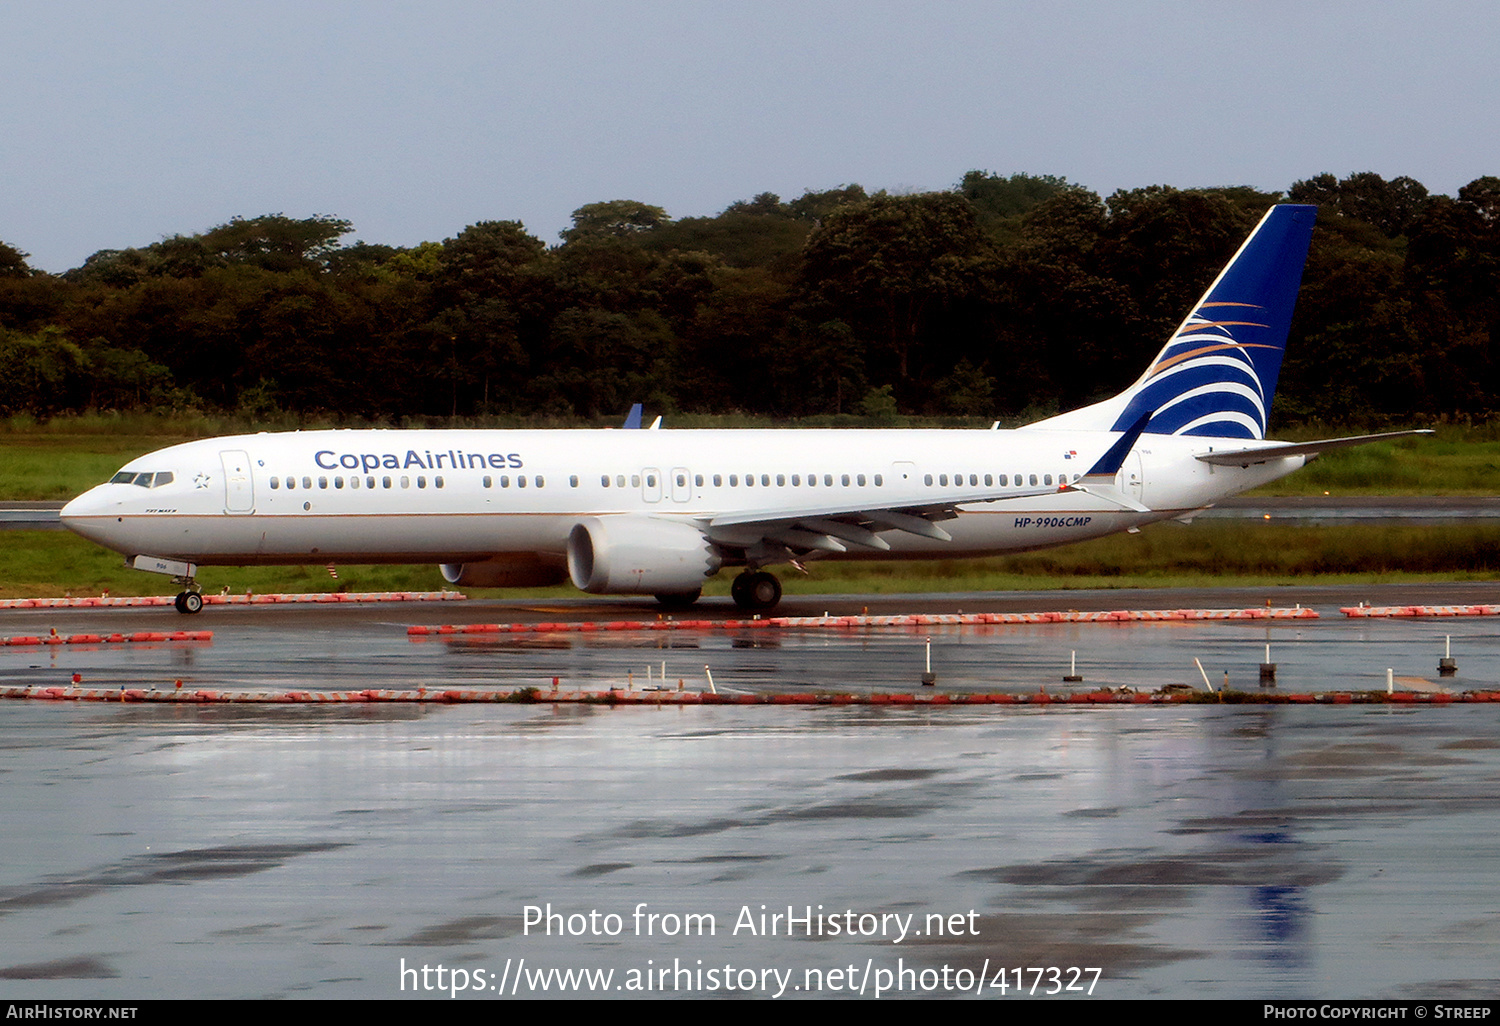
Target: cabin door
x=239 y=484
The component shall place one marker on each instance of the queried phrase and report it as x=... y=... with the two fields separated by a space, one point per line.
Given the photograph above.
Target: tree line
x=1004 y=297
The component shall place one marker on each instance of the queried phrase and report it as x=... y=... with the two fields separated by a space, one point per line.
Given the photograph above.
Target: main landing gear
x=756 y=591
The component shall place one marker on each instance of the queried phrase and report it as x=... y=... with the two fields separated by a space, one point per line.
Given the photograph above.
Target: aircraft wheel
x=189 y=602
x=756 y=591
x=679 y=600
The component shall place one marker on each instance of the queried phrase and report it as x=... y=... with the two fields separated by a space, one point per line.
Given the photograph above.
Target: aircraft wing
x=1276 y=451
x=827 y=528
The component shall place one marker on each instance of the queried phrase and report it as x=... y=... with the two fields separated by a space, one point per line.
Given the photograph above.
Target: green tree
x=41 y=372
x=276 y=242
x=814 y=206
x=889 y=264
x=614 y=219
x=13 y=262
x=1391 y=206
x=1002 y=201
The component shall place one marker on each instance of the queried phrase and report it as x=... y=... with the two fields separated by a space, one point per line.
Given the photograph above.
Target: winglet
x=633 y=418
x=1109 y=464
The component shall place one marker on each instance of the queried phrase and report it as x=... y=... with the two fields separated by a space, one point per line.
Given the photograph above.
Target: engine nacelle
x=513 y=571
x=637 y=555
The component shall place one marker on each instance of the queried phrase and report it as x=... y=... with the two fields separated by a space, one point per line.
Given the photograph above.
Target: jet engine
x=636 y=555
x=520 y=570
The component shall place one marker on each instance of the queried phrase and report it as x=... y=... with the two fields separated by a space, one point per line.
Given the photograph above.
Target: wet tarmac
x=1194 y=851
x=357 y=647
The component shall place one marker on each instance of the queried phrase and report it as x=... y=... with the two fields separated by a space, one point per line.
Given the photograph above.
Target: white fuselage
x=365 y=496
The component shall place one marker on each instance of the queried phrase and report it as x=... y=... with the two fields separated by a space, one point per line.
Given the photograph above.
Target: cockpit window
x=146 y=480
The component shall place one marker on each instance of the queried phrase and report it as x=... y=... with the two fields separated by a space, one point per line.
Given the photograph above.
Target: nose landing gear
x=189 y=601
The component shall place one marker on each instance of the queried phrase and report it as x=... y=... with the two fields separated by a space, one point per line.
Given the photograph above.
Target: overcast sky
x=127 y=122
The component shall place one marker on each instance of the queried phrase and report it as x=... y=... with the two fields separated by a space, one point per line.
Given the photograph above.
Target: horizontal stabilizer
x=1279 y=451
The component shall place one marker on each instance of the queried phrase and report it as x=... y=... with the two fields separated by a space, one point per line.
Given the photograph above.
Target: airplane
x=659 y=512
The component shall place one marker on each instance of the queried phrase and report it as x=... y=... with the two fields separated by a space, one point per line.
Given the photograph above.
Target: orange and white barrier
x=867 y=622
x=55 y=638
x=1389 y=611
x=630 y=696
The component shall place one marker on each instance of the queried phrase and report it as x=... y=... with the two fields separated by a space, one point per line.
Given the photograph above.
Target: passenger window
x=603 y=480
x=1047 y=479
x=437 y=482
x=338 y=482
x=879 y=480
x=520 y=480
x=780 y=480
x=573 y=481
x=749 y=480
x=291 y=483
x=718 y=480
x=307 y=482
x=987 y=481
x=650 y=480
x=1004 y=481
x=942 y=479
x=489 y=482
x=796 y=480
x=635 y=480
x=698 y=480
x=1033 y=479
x=860 y=480
x=828 y=481
x=619 y=480
x=275 y=484
x=354 y=483
x=405 y=481
x=927 y=479
x=734 y=480
x=323 y=483
x=421 y=481
x=539 y=481
x=765 y=480
x=504 y=480
x=845 y=480
x=369 y=482
x=385 y=482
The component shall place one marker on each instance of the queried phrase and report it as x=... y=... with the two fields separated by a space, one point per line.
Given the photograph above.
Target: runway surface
x=1198 y=851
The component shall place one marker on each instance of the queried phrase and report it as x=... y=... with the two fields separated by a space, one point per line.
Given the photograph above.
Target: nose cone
x=92 y=515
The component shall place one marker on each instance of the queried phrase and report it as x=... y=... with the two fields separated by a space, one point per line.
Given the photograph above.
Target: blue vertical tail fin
x=1217 y=373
